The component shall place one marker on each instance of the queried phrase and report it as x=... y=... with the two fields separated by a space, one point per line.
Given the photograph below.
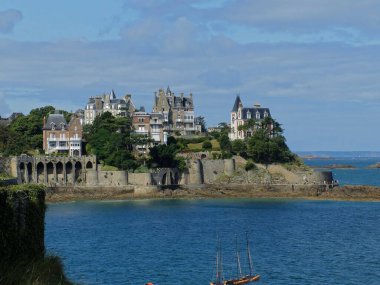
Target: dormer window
x=265 y=114
x=239 y=115
x=52 y=126
x=248 y=115
x=258 y=115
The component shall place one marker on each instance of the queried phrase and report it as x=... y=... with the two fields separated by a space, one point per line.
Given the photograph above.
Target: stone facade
x=177 y=111
x=240 y=116
x=62 y=137
x=108 y=103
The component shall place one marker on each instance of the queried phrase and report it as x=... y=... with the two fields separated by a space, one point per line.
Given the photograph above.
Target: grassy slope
x=198 y=146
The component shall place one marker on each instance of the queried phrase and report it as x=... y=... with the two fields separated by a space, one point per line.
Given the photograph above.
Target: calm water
x=360 y=175
x=173 y=242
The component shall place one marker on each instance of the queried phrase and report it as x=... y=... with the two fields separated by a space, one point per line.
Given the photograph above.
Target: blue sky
x=314 y=63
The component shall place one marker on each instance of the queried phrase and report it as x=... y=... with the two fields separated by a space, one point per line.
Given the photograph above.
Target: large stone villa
x=241 y=115
x=62 y=137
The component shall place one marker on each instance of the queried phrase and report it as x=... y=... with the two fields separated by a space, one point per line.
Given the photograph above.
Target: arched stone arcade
x=54 y=171
x=166 y=176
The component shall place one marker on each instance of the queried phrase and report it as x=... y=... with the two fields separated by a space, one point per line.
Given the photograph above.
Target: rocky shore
x=312 y=192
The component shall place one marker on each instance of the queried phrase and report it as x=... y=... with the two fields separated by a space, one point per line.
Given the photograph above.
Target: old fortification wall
x=112 y=178
x=83 y=171
x=140 y=179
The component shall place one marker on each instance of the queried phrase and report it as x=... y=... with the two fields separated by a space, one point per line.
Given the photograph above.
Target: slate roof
x=253 y=112
x=56 y=120
x=236 y=105
x=118 y=101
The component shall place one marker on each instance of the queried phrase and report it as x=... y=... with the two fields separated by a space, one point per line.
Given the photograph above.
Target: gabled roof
x=237 y=103
x=56 y=120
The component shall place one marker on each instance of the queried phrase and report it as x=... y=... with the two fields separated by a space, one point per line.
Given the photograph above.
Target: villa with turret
x=240 y=115
x=177 y=111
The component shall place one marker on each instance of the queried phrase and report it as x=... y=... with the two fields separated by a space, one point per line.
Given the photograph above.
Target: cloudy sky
x=314 y=63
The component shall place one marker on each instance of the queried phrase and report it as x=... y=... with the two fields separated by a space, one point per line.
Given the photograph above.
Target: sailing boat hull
x=243 y=280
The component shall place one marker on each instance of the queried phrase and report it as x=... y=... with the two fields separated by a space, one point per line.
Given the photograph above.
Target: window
x=248 y=115
x=257 y=115
x=265 y=114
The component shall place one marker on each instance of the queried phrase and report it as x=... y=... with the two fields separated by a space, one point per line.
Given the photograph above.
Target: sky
x=314 y=63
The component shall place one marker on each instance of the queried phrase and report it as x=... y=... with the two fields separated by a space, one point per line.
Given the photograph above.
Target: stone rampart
x=212 y=169
x=112 y=178
x=140 y=179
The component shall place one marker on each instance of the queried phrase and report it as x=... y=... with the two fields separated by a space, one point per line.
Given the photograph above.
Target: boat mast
x=239 y=273
x=249 y=256
x=219 y=266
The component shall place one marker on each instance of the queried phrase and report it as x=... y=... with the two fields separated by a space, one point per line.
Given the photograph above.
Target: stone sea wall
x=74 y=172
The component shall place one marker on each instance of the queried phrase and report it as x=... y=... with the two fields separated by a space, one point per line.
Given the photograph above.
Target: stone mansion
x=240 y=116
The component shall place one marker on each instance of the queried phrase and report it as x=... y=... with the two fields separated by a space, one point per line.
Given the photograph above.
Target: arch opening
x=40 y=172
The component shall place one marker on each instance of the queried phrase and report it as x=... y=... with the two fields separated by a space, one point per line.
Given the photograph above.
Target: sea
x=175 y=241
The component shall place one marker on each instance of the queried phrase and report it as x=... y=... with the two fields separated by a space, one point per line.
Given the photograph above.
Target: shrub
x=207 y=145
x=250 y=166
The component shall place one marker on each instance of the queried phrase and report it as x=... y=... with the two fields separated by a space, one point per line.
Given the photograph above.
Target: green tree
x=239 y=147
x=110 y=139
x=264 y=148
x=225 y=143
x=163 y=156
x=207 y=145
x=201 y=120
x=25 y=132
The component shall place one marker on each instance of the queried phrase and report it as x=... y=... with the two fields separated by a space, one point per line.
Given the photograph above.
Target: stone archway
x=50 y=172
x=60 y=173
x=163 y=179
x=69 y=172
x=89 y=165
x=22 y=172
x=78 y=172
x=40 y=172
x=29 y=172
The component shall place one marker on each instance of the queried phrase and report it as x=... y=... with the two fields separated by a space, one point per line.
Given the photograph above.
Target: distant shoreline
x=304 y=192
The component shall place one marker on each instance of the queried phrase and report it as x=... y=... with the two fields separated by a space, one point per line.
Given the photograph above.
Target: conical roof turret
x=237 y=103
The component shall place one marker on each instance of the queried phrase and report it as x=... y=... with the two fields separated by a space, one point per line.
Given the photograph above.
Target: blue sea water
x=174 y=241
x=361 y=174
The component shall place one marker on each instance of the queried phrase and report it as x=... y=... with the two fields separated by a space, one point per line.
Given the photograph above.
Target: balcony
x=57 y=139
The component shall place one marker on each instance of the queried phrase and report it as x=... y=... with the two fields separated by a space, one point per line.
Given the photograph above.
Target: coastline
x=217 y=191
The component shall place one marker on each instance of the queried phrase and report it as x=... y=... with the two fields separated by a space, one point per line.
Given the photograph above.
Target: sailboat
x=241 y=278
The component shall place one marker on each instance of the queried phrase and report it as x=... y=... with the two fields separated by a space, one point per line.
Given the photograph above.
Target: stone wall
x=140 y=179
x=112 y=178
x=208 y=171
x=212 y=169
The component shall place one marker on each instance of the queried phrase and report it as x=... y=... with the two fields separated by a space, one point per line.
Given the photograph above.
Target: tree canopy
x=109 y=138
x=24 y=134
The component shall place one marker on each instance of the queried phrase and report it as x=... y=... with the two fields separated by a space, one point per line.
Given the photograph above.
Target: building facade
x=62 y=137
x=108 y=103
x=241 y=115
x=177 y=111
